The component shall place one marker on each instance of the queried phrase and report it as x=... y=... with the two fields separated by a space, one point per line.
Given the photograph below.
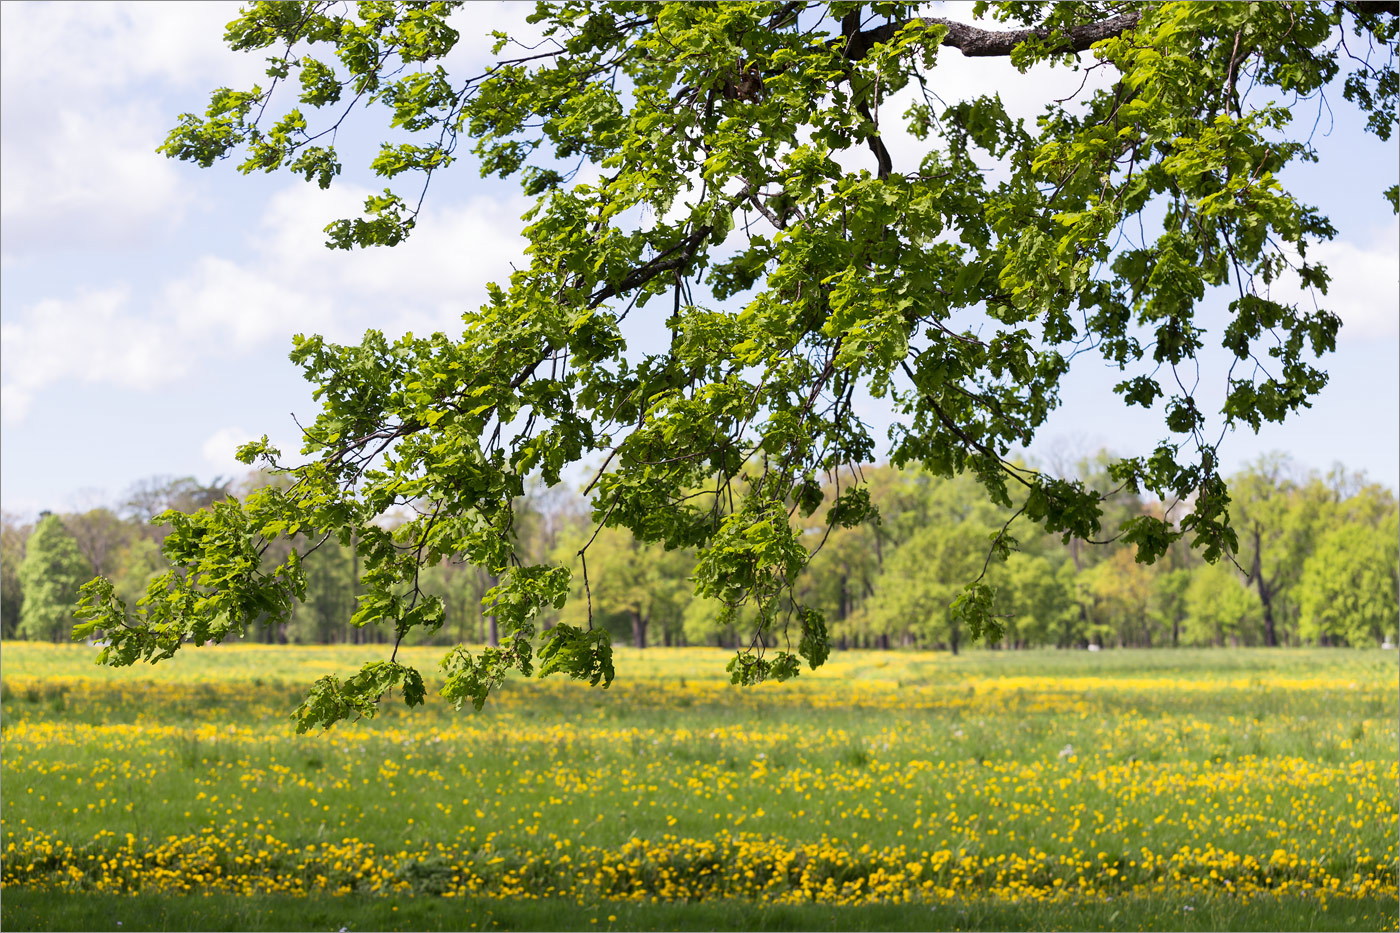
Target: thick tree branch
x=662 y=262
x=976 y=42
x=850 y=26
x=877 y=145
x=1370 y=8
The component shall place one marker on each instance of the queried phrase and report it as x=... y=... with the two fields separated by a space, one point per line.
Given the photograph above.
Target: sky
x=147 y=305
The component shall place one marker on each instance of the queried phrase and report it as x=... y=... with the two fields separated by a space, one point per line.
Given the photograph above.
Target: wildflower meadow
x=1186 y=789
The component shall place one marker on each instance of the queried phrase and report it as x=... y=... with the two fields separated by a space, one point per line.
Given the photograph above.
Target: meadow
x=1165 y=789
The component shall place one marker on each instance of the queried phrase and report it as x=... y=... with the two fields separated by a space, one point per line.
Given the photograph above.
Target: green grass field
x=1243 y=789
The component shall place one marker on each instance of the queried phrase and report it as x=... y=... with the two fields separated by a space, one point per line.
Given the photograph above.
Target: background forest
x=1318 y=563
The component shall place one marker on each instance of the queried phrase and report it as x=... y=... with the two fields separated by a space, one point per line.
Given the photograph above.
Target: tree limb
x=877 y=145
x=1371 y=8
x=662 y=262
x=975 y=42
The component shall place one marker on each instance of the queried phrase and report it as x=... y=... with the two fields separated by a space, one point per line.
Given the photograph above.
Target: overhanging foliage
x=712 y=132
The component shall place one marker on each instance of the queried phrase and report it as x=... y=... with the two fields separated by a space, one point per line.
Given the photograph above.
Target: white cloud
x=424 y=284
x=474 y=23
x=223 y=305
x=14 y=402
x=959 y=77
x=1365 y=285
x=52 y=45
x=91 y=89
x=82 y=118
x=86 y=179
x=219 y=449
x=93 y=337
x=287 y=282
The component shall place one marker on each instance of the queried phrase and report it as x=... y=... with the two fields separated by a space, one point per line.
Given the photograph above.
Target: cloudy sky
x=146 y=305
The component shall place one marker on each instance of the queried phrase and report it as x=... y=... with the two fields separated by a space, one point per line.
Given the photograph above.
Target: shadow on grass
x=24 y=909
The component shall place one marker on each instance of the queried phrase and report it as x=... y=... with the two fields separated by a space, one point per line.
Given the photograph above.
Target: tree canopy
x=51 y=573
x=686 y=161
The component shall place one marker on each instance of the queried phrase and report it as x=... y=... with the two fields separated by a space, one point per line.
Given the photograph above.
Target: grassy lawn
x=1060 y=790
x=26 y=909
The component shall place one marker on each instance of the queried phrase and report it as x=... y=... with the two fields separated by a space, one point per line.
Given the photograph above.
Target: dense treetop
x=714 y=197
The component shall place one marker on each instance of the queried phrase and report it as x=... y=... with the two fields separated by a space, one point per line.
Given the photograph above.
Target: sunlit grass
x=30 y=909
x=1057 y=777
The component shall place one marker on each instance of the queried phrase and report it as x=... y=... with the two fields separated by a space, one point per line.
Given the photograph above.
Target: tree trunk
x=447 y=619
x=1083 y=616
x=884 y=641
x=352 y=634
x=953 y=642
x=1266 y=590
x=1270 y=634
x=639 y=630
x=493 y=633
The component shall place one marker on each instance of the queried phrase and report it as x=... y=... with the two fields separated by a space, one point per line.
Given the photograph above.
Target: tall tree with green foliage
x=1220 y=607
x=848 y=561
x=51 y=573
x=1122 y=590
x=724 y=202
x=324 y=614
x=1036 y=598
x=1169 y=600
x=13 y=534
x=138 y=564
x=632 y=590
x=918 y=592
x=1277 y=517
x=1350 y=587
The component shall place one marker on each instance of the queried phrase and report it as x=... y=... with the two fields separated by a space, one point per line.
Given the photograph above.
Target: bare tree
x=100 y=534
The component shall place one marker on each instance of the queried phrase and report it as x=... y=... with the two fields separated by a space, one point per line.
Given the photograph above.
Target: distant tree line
x=1318 y=563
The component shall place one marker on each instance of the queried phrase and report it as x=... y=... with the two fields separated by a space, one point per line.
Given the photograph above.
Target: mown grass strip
x=24 y=909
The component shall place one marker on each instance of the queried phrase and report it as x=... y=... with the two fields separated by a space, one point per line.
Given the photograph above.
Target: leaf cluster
x=721 y=135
